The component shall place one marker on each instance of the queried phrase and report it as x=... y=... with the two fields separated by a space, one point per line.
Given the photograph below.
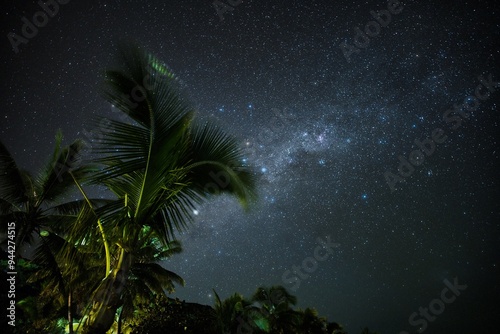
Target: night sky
x=326 y=119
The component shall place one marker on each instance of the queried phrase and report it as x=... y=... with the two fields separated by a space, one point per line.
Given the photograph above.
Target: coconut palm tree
x=335 y=328
x=31 y=201
x=159 y=164
x=64 y=282
x=43 y=216
x=233 y=314
x=269 y=311
x=276 y=304
x=309 y=322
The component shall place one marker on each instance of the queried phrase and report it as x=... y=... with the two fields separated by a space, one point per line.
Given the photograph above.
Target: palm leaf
x=12 y=187
x=140 y=160
x=49 y=268
x=160 y=162
x=55 y=180
x=217 y=164
x=156 y=277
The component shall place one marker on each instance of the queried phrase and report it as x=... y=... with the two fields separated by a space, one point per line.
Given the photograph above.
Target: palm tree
x=335 y=328
x=309 y=322
x=276 y=304
x=30 y=201
x=269 y=311
x=158 y=166
x=63 y=280
x=38 y=206
x=233 y=314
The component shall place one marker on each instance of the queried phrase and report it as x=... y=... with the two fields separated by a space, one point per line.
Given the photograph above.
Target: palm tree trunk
x=107 y=298
x=70 y=314
x=119 y=330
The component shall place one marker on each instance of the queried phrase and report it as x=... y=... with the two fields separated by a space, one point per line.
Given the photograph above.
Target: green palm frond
x=173 y=213
x=140 y=77
x=229 y=307
x=49 y=269
x=274 y=296
x=257 y=319
x=83 y=232
x=147 y=279
x=55 y=181
x=30 y=201
x=217 y=164
x=135 y=295
x=162 y=163
x=139 y=160
x=154 y=249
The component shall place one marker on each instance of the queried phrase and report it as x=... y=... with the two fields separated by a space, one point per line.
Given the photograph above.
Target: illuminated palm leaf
x=158 y=159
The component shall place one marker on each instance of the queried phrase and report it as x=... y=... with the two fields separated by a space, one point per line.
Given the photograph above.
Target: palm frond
x=55 y=180
x=12 y=187
x=216 y=164
x=274 y=296
x=159 y=161
x=154 y=249
x=140 y=160
x=49 y=269
x=74 y=207
x=156 y=277
x=139 y=75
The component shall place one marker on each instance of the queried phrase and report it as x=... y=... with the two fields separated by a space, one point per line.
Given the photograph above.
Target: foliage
x=96 y=257
x=158 y=164
x=34 y=204
x=269 y=311
x=30 y=201
x=165 y=315
x=228 y=311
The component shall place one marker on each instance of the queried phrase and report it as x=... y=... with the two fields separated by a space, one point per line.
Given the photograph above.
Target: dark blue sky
x=327 y=129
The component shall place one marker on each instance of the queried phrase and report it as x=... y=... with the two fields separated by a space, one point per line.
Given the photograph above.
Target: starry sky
x=326 y=114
